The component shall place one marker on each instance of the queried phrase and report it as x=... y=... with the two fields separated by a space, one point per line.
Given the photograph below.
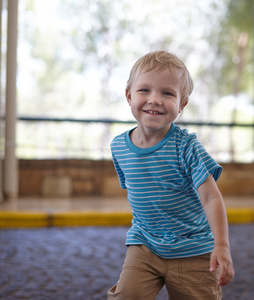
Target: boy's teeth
x=153 y=112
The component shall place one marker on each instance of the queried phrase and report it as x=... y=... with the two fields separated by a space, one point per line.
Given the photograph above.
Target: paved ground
x=83 y=262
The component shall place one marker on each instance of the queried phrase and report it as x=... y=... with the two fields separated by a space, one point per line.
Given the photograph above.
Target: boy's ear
x=128 y=96
x=182 y=105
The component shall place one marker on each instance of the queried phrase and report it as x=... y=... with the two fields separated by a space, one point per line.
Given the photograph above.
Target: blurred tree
x=235 y=48
x=75 y=56
x=44 y=70
x=97 y=29
x=82 y=36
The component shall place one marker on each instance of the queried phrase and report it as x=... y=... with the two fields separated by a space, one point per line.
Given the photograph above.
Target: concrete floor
x=82 y=263
x=94 y=203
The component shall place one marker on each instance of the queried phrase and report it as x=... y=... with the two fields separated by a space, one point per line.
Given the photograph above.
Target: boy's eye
x=144 y=90
x=168 y=93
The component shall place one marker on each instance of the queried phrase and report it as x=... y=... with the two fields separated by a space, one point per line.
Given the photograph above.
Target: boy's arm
x=213 y=205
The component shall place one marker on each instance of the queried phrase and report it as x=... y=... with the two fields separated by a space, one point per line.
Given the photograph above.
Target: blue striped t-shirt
x=162 y=183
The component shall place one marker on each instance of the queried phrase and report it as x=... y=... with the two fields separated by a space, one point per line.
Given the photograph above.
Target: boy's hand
x=221 y=256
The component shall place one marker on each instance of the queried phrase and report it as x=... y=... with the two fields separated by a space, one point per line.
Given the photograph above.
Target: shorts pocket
x=194 y=271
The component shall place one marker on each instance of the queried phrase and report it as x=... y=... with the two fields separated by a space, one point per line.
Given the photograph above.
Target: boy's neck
x=148 y=138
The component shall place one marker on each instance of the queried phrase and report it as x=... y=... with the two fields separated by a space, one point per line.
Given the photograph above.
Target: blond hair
x=160 y=61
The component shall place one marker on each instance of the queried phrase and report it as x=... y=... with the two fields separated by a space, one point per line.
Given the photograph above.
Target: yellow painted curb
x=74 y=218
x=240 y=215
x=92 y=218
x=23 y=219
x=19 y=219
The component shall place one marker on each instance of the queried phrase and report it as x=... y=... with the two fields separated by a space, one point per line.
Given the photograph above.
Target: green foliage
x=76 y=37
x=235 y=48
x=240 y=15
x=75 y=56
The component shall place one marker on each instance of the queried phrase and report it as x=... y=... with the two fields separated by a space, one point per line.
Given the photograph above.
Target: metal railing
x=114 y=121
x=49 y=137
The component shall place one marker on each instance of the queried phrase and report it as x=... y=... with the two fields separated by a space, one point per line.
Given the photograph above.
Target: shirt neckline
x=148 y=150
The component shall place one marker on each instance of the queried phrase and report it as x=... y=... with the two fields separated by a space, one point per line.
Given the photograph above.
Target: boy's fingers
x=213 y=263
x=226 y=274
x=226 y=270
x=222 y=277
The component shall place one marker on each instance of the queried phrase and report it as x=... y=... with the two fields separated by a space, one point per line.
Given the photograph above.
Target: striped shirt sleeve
x=116 y=146
x=119 y=172
x=198 y=163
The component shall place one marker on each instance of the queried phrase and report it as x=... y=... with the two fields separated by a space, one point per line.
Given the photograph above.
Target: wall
x=86 y=177
x=75 y=178
x=237 y=180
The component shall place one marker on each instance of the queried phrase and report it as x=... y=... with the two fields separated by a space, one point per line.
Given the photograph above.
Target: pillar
x=1 y=121
x=10 y=161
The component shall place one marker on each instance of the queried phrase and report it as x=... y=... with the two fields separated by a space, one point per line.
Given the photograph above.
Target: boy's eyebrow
x=142 y=85
x=148 y=84
x=167 y=88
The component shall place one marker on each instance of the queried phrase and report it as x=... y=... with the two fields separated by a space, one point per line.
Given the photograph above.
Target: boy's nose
x=154 y=99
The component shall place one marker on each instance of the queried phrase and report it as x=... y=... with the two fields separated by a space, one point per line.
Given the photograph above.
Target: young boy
x=179 y=232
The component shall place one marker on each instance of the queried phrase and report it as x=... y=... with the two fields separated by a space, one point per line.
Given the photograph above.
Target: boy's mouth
x=153 y=112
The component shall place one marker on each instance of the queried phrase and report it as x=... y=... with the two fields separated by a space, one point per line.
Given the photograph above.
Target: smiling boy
x=155 y=101
x=179 y=233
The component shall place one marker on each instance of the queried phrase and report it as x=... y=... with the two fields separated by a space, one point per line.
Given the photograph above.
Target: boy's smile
x=154 y=98
x=153 y=112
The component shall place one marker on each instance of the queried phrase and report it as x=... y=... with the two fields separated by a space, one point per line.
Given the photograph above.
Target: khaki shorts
x=144 y=274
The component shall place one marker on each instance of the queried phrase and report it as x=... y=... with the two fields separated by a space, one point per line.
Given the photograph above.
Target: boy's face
x=154 y=98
